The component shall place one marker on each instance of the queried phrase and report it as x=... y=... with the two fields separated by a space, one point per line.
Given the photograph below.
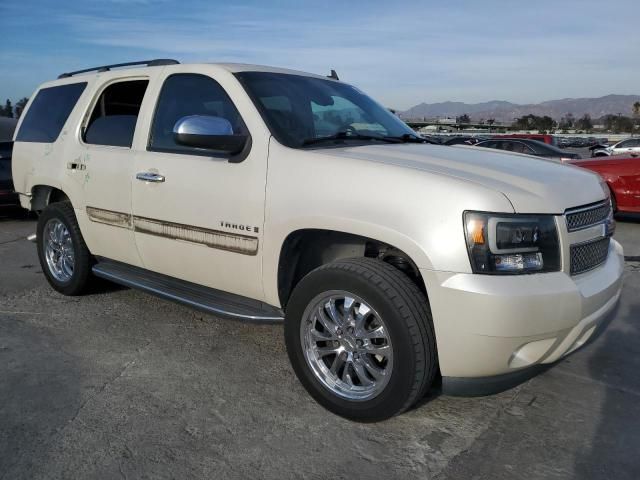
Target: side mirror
x=209 y=132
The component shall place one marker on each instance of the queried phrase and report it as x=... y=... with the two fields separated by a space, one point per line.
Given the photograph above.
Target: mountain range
x=503 y=111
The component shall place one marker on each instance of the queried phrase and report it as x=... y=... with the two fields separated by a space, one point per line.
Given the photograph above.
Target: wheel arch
x=611 y=183
x=43 y=195
x=305 y=249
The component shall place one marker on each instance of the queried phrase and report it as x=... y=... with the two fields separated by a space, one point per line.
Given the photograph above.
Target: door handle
x=150 y=177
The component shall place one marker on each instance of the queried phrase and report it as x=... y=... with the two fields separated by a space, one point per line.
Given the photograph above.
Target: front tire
x=64 y=257
x=360 y=338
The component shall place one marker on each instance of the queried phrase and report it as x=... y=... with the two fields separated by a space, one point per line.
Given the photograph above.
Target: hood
x=532 y=184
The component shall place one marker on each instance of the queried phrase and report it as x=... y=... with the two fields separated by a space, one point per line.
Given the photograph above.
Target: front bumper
x=495 y=331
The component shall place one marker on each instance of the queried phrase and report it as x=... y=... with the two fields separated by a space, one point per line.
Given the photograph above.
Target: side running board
x=209 y=300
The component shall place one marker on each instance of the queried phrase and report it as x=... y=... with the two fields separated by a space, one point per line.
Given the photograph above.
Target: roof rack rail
x=105 y=68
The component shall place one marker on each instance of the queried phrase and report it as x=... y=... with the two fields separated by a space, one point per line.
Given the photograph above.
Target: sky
x=400 y=52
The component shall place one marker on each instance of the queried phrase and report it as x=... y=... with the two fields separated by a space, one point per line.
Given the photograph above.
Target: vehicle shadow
x=16 y=213
x=613 y=450
x=628 y=217
x=40 y=392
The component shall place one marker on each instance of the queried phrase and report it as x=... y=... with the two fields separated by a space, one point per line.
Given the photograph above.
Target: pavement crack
x=12 y=312
x=11 y=241
x=60 y=431
x=498 y=414
x=122 y=474
x=99 y=392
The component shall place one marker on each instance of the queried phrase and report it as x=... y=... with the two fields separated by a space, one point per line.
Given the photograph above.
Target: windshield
x=304 y=111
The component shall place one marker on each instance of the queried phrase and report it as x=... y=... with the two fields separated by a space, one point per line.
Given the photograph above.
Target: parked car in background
x=7 y=127
x=622 y=175
x=433 y=139
x=563 y=142
x=530 y=147
x=579 y=142
x=599 y=150
x=628 y=146
x=8 y=197
x=544 y=138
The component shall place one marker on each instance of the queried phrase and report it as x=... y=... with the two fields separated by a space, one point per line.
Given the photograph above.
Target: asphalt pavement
x=120 y=384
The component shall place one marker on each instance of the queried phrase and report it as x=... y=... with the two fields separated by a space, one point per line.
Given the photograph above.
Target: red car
x=622 y=174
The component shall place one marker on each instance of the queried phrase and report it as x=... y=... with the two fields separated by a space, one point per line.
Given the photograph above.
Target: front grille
x=580 y=218
x=587 y=256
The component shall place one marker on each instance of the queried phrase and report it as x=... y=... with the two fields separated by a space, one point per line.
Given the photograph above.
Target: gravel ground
x=119 y=384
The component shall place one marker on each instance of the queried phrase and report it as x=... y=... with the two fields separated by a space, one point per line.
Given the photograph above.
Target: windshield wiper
x=409 y=138
x=350 y=136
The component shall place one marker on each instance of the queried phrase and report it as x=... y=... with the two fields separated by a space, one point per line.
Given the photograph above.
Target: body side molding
x=221 y=240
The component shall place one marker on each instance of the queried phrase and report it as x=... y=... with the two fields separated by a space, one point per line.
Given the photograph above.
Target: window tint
x=113 y=120
x=528 y=150
x=518 y=147
x=49 y=112
x=510 y=146
x=187 y=94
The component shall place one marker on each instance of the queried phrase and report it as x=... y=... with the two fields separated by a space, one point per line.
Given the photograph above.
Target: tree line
x=613 y=123
x=13 y=111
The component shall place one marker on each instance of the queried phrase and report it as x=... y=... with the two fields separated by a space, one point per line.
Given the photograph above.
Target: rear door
x=202 y=219
x=104 y=166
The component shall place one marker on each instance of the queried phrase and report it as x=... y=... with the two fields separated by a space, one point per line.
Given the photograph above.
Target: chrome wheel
x=58 y=250
x=347 y=346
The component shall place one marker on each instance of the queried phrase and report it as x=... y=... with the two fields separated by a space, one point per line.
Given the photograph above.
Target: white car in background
x=629 y=146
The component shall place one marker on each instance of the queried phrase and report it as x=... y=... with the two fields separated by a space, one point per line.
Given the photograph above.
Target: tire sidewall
x=78 y=279
x=395 y=394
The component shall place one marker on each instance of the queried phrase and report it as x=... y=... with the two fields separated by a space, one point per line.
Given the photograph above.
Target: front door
x=197 y=216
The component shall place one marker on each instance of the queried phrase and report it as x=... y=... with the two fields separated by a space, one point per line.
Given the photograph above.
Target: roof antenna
x=333 y=75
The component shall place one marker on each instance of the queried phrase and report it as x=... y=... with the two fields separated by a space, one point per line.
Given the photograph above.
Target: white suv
x=630 y=145
x=265 y=194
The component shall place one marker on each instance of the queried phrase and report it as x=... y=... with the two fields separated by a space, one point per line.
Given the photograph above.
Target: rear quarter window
x=49 y=112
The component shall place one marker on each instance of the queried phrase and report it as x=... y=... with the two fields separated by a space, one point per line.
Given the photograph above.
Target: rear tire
x=64 y=257
x=355 y=383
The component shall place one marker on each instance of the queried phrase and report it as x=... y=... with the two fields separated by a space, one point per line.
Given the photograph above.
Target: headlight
x=508 y=244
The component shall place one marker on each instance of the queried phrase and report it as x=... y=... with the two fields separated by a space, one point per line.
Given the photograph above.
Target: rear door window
x=114 y=117
x=49 y=112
